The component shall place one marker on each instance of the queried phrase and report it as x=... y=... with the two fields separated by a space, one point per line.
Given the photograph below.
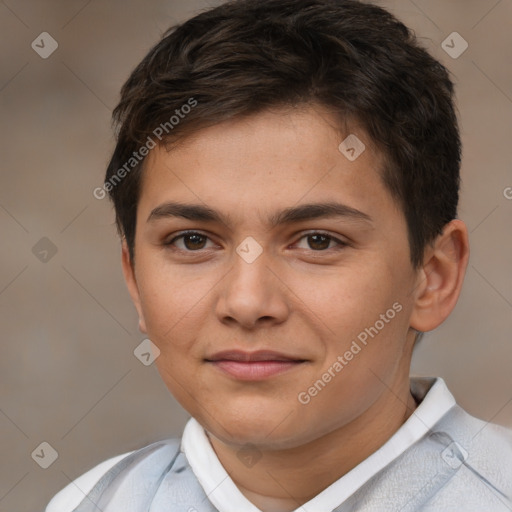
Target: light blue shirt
x=441 y=459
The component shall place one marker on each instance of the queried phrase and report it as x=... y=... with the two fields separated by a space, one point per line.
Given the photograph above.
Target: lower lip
x=254 y=370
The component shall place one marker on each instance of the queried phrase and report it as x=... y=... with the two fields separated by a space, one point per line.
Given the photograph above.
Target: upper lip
x=259 y=355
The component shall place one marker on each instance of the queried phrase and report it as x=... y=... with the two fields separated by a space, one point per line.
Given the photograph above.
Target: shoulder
x=484 y=453
x=70 y=496
x=483 y=438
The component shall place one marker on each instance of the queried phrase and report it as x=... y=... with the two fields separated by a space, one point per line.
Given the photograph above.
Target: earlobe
x=131 y=283
x=440 y=280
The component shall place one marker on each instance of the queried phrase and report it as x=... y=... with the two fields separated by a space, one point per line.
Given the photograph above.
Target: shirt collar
x=435 y=401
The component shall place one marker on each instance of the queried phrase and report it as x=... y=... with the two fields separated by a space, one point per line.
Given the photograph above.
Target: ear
x=439 y=282
x=131 y=283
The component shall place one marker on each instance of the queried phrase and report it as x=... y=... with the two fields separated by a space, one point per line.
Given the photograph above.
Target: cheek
x=345 y=300
x=364 y=306
x=172 y=302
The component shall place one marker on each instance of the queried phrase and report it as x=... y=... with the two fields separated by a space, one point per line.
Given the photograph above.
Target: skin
x=303 y=296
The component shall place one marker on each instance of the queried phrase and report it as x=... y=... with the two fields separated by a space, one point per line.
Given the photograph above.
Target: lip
x=253 y=366
x=258 y=355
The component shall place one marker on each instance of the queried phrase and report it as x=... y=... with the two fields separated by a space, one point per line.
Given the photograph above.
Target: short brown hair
x=246 y=56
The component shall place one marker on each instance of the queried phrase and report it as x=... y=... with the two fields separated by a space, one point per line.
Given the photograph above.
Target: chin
x=271 y=430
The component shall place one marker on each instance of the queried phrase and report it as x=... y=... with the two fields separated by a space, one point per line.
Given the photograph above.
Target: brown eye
x=318 y=242
x=322 y=241
x=194 y=241
x=191 y=241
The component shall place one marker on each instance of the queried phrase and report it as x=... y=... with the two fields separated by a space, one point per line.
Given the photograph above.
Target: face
x=277 y=321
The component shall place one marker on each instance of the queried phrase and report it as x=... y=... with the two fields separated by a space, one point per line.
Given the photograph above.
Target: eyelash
x=341 y=243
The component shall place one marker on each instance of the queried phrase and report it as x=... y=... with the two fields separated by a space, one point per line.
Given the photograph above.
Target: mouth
x=253 y=365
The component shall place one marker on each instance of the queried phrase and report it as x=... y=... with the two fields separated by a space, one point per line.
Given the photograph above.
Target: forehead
x=266 y=162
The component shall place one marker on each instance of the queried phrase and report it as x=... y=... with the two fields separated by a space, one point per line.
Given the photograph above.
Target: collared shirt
x=226 y=497
x=434 y=399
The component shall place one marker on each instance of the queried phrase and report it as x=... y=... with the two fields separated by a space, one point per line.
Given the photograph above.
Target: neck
x=283 y=480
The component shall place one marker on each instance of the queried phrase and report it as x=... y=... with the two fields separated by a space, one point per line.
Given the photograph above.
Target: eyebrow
x=311 y=211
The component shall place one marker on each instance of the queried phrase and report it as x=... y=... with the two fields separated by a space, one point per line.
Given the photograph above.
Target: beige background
x=68 y=373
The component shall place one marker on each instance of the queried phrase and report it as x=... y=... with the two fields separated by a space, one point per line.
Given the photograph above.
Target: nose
x=252 y=294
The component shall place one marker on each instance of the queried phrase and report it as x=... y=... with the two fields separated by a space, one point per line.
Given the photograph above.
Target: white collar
x=436 y=401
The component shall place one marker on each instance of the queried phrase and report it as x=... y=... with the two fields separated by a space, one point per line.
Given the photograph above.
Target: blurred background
x=68 y=373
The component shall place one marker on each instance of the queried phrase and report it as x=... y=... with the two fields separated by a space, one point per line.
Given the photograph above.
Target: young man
x=286 y=184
